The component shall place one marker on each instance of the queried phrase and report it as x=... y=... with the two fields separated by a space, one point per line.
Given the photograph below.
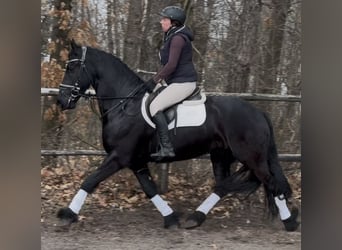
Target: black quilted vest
x=185 y=71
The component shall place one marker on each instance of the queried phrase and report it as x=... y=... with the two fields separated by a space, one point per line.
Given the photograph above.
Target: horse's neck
x=114 y=78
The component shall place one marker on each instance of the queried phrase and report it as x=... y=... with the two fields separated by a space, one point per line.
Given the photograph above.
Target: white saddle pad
x=189 y=113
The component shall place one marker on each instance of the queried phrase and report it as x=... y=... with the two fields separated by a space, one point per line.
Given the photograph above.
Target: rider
x=177 y=71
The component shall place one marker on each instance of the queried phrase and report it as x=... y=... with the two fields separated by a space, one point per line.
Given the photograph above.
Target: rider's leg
x=166 y=148
x=174 y=93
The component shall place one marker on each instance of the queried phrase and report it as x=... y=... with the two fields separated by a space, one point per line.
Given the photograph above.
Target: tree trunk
x=132 y=34
x=199 y=17
x=242 y=57
x=275 y=27
x=110 y=26
x=60 y=30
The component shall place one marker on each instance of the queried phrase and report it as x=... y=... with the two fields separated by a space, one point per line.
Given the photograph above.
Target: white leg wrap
x=161 y=205
x=209 y=203
x=284 y=212
x=78 y=201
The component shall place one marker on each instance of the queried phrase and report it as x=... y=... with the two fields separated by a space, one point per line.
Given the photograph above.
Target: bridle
x=75 y=89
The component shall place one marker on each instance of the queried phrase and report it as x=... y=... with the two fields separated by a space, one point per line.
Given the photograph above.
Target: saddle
x=189 y=112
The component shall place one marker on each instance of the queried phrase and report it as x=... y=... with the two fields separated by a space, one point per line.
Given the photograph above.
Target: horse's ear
x=73 y=44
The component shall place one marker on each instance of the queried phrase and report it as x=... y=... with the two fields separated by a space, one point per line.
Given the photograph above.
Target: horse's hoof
x=62 y=225
x=195 y=220
x=66 y=217
x=171 y=221
x=291 y=224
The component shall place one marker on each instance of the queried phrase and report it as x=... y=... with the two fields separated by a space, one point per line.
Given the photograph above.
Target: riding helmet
x=174 y=13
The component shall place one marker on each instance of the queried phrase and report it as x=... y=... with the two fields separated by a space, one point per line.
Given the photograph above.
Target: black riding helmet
x=174 y=13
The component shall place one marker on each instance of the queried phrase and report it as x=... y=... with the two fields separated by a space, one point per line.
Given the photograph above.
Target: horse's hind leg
x=221 y=160
x=144 y=177
x=277 y=191
x=68 y=215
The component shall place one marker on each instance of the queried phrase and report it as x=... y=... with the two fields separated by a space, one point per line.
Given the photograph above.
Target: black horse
x=234 y=130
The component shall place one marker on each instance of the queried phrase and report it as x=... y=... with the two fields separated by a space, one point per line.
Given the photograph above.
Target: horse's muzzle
x=60 y=104
x=65 y=104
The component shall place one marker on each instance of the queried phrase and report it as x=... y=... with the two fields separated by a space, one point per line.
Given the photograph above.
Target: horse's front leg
x=144 y=177
x=69 y=215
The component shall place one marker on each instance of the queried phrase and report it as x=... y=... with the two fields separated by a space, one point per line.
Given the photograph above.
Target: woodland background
x=242 y=46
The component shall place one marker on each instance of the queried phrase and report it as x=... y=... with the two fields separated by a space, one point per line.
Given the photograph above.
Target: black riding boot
x=166 y=148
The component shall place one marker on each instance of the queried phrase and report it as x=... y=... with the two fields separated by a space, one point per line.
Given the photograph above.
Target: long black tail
x=245 y=181
x=241 y=181
x=280 y=184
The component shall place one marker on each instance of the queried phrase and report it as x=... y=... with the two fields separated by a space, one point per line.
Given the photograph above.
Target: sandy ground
x=142 y=228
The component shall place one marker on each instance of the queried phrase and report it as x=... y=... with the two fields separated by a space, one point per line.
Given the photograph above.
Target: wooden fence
x=282 y=157
x=246 y=96
x=163 y=174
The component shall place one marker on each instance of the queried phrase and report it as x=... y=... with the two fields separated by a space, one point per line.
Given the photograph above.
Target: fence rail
x=282 y=157
x=246 y=96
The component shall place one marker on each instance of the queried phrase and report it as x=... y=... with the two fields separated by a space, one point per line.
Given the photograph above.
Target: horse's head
x=76 y=78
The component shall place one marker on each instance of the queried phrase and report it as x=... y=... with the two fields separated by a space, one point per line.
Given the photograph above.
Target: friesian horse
x=233 y=130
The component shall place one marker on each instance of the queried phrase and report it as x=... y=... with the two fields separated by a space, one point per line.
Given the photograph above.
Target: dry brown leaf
x=132 y=199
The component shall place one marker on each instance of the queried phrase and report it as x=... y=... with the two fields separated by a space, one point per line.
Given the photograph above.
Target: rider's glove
x=150 y=85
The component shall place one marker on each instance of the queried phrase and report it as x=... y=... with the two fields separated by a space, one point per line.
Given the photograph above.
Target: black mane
x=119 y=65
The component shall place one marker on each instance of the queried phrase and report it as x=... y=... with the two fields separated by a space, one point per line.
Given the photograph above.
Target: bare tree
x=199 y=17
x=243 y=41
x=61 y=27
x=274 y=28
x=132 y=33
x=110 y=17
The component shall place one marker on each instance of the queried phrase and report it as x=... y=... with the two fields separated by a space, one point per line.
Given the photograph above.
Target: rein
x=124 y=99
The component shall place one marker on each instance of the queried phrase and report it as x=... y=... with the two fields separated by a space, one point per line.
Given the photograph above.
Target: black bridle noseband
x=75 y=89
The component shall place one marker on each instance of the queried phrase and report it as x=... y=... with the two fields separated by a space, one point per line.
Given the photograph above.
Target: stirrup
x=162 y=153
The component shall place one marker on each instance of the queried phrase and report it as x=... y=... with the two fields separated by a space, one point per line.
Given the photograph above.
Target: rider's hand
x=150 y=85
